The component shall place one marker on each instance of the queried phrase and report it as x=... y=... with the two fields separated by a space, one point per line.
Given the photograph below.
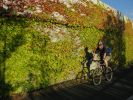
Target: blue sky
x=124 y=6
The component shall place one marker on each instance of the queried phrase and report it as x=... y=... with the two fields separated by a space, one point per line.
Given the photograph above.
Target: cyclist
x=101 y=51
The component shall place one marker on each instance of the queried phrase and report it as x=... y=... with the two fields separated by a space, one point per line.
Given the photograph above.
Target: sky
x=124 y=6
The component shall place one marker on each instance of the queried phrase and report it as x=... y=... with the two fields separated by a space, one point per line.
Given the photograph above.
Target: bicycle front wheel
x=109 y=74
x=97 y=76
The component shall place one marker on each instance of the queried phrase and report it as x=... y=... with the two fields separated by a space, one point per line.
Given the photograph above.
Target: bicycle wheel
x=97 y=76
x=108 y=74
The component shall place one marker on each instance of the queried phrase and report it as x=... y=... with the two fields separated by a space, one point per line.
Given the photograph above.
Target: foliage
x=91 y=36
x=32 y=60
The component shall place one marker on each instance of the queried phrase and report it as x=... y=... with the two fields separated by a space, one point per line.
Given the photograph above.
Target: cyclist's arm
x=104 y=53
x=104 y=56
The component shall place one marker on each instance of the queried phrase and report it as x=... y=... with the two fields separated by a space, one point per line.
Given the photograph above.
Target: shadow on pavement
x=121 y=88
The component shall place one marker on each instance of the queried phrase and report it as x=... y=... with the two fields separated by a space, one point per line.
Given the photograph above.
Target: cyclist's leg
x=106 y=60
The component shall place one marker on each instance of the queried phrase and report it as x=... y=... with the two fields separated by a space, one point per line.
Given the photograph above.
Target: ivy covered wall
x=38 y=50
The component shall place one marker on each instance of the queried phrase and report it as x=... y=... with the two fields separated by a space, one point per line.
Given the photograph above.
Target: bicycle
x=101 y=71
x=95 y=72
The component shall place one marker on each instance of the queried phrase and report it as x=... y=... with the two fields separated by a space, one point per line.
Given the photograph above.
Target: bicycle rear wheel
x=109 y=74
x=97 y=76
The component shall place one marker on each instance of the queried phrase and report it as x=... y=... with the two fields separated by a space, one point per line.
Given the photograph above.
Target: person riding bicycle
x=101 y=51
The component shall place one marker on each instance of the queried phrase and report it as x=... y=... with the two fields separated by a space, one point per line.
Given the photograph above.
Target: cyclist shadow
x=88 y=57
x=85 y=64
